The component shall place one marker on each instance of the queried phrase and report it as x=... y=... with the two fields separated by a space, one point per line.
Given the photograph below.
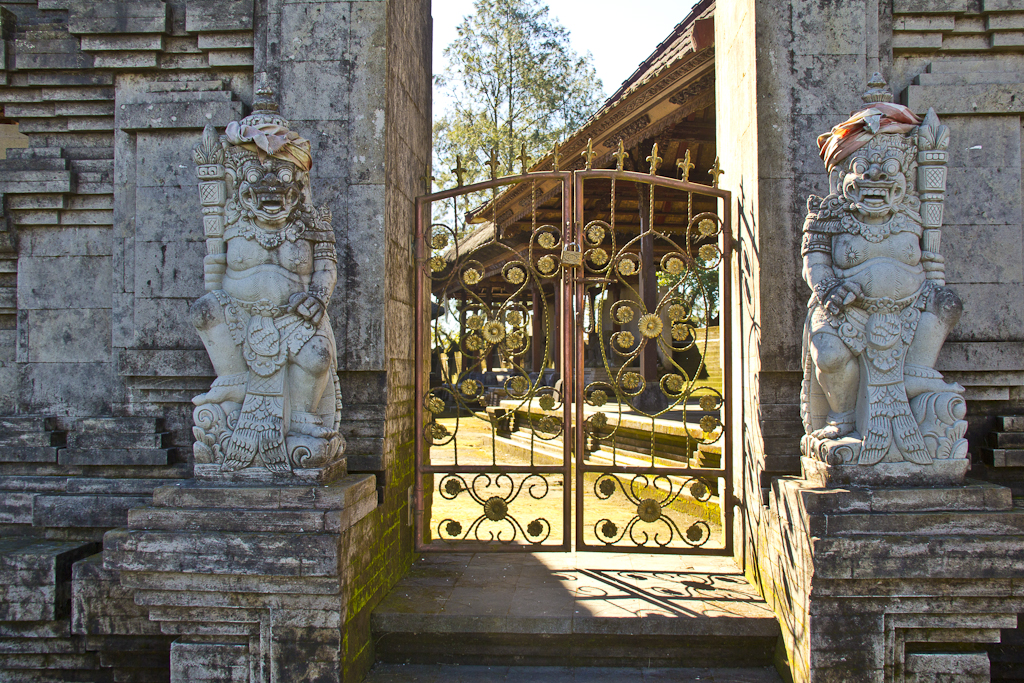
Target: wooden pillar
x=648 y=282
x=489 y=356
x=538 y=330
x=556 y=355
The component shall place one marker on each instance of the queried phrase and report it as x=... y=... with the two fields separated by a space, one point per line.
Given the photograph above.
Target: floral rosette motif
x=517 y=386
x=673 y=264
x=650 y=325
x=514 y=273
x=596 y=231
x=632 y=383
x=628 y=265
x=623 y=341
x=622 y=313
x=547 y=265
x=548 y=238
x=493 y=332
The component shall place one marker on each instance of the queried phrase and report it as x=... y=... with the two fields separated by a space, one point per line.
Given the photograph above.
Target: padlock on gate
x=572 y=257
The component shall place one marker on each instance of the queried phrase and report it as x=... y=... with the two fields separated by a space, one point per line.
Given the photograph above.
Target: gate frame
x=571 y=349
x=579 y=437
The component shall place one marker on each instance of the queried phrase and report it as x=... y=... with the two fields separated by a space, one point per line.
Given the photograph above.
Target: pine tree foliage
x=512 y=79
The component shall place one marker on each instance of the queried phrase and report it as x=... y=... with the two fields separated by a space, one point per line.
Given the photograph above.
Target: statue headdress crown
x=878 y=115
x=266 y=132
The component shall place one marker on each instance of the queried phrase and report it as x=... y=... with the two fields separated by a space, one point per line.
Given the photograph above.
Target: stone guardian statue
x=270 y=271
x=874 y=408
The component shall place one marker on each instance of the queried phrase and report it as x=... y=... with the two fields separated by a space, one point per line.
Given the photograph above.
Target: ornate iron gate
x=566 y=365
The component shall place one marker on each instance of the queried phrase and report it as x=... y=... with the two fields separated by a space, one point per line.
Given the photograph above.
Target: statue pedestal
x=252 y=578
x=939 y=473
x=885 y=584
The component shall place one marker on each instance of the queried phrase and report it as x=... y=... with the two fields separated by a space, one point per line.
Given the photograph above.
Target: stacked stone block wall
x=800 y=68
x=384 y=551
x=101 y=254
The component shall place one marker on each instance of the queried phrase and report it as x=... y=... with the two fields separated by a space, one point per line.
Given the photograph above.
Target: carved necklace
x=272 y=240
x=874 y=233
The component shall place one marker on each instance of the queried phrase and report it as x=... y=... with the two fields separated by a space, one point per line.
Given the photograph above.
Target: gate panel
x=650 y=411
x=493 y=469
x=611 y=280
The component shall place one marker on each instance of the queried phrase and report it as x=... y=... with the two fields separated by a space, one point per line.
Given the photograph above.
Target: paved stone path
x=560 y=589
x=411 y=673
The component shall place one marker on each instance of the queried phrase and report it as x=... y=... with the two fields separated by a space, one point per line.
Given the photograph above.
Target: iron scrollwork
x=652 y=509
x=496 y=508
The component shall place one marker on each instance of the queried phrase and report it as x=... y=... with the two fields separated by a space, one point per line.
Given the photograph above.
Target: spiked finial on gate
x=493 y=163
x=524 y=158
x=458 y=170
x=620 y=156
x=589 y=154
x=685 y=166
x=715 y=172
x=654 y=159
x=556 y=157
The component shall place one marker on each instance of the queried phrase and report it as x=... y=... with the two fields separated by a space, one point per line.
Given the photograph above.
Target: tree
x=513 y=79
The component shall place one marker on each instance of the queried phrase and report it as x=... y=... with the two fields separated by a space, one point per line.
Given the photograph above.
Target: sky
x=619 y=34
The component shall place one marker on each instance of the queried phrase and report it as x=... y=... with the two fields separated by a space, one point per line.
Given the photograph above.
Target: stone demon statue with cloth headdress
x=875 y=410
x=270 y=272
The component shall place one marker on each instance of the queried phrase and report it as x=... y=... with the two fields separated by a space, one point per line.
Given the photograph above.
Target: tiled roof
x=678 y=43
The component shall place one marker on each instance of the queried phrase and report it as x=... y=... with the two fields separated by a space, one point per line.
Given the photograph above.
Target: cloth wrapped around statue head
x=270 y=272
x=874 y=407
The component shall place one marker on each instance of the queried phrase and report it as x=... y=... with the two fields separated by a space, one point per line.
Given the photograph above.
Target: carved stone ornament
x=875 y=410
x=270 y=271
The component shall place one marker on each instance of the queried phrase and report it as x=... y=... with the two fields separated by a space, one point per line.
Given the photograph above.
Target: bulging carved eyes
x=285 y=174
x=859 y=166
x=253 y=176
x=891 y=167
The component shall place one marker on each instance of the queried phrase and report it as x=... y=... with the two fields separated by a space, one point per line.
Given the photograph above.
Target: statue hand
x=307 y=306
x=214 y=267
x=934 y=266
x=842 y=296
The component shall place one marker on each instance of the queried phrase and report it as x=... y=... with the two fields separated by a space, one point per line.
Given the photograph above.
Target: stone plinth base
x=939 y=473
x=892 y=584
x=250 y=578
x=833 y=462
x=212 y=473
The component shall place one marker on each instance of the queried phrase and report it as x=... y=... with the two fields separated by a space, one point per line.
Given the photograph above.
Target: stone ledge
x=971 y=496
x=267 y=497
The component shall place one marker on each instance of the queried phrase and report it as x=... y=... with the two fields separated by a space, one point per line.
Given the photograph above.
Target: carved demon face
x=270 y=190
x=874 y=180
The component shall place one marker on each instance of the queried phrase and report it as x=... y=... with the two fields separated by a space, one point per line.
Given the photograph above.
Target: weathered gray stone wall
x=785 y=74
x=108 y=95
x=101 y=255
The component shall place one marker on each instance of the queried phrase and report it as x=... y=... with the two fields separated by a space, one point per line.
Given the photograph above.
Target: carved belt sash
x=268 y=336
x=880 y=331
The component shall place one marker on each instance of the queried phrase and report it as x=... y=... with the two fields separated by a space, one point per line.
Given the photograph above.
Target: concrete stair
x=574 y=610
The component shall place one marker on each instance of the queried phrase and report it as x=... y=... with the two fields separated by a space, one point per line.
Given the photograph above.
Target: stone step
x=574 y=609
x=119 y=425
x=931 y=524
x=36 y=575
x=1003 y=457
x=32 y=439
x=78 y=439
x=348 y=492
x=121 y=457
x=18 y=425
x=1006 y=439
x=434 y=673
x=28 y=454
x=1010 y=423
